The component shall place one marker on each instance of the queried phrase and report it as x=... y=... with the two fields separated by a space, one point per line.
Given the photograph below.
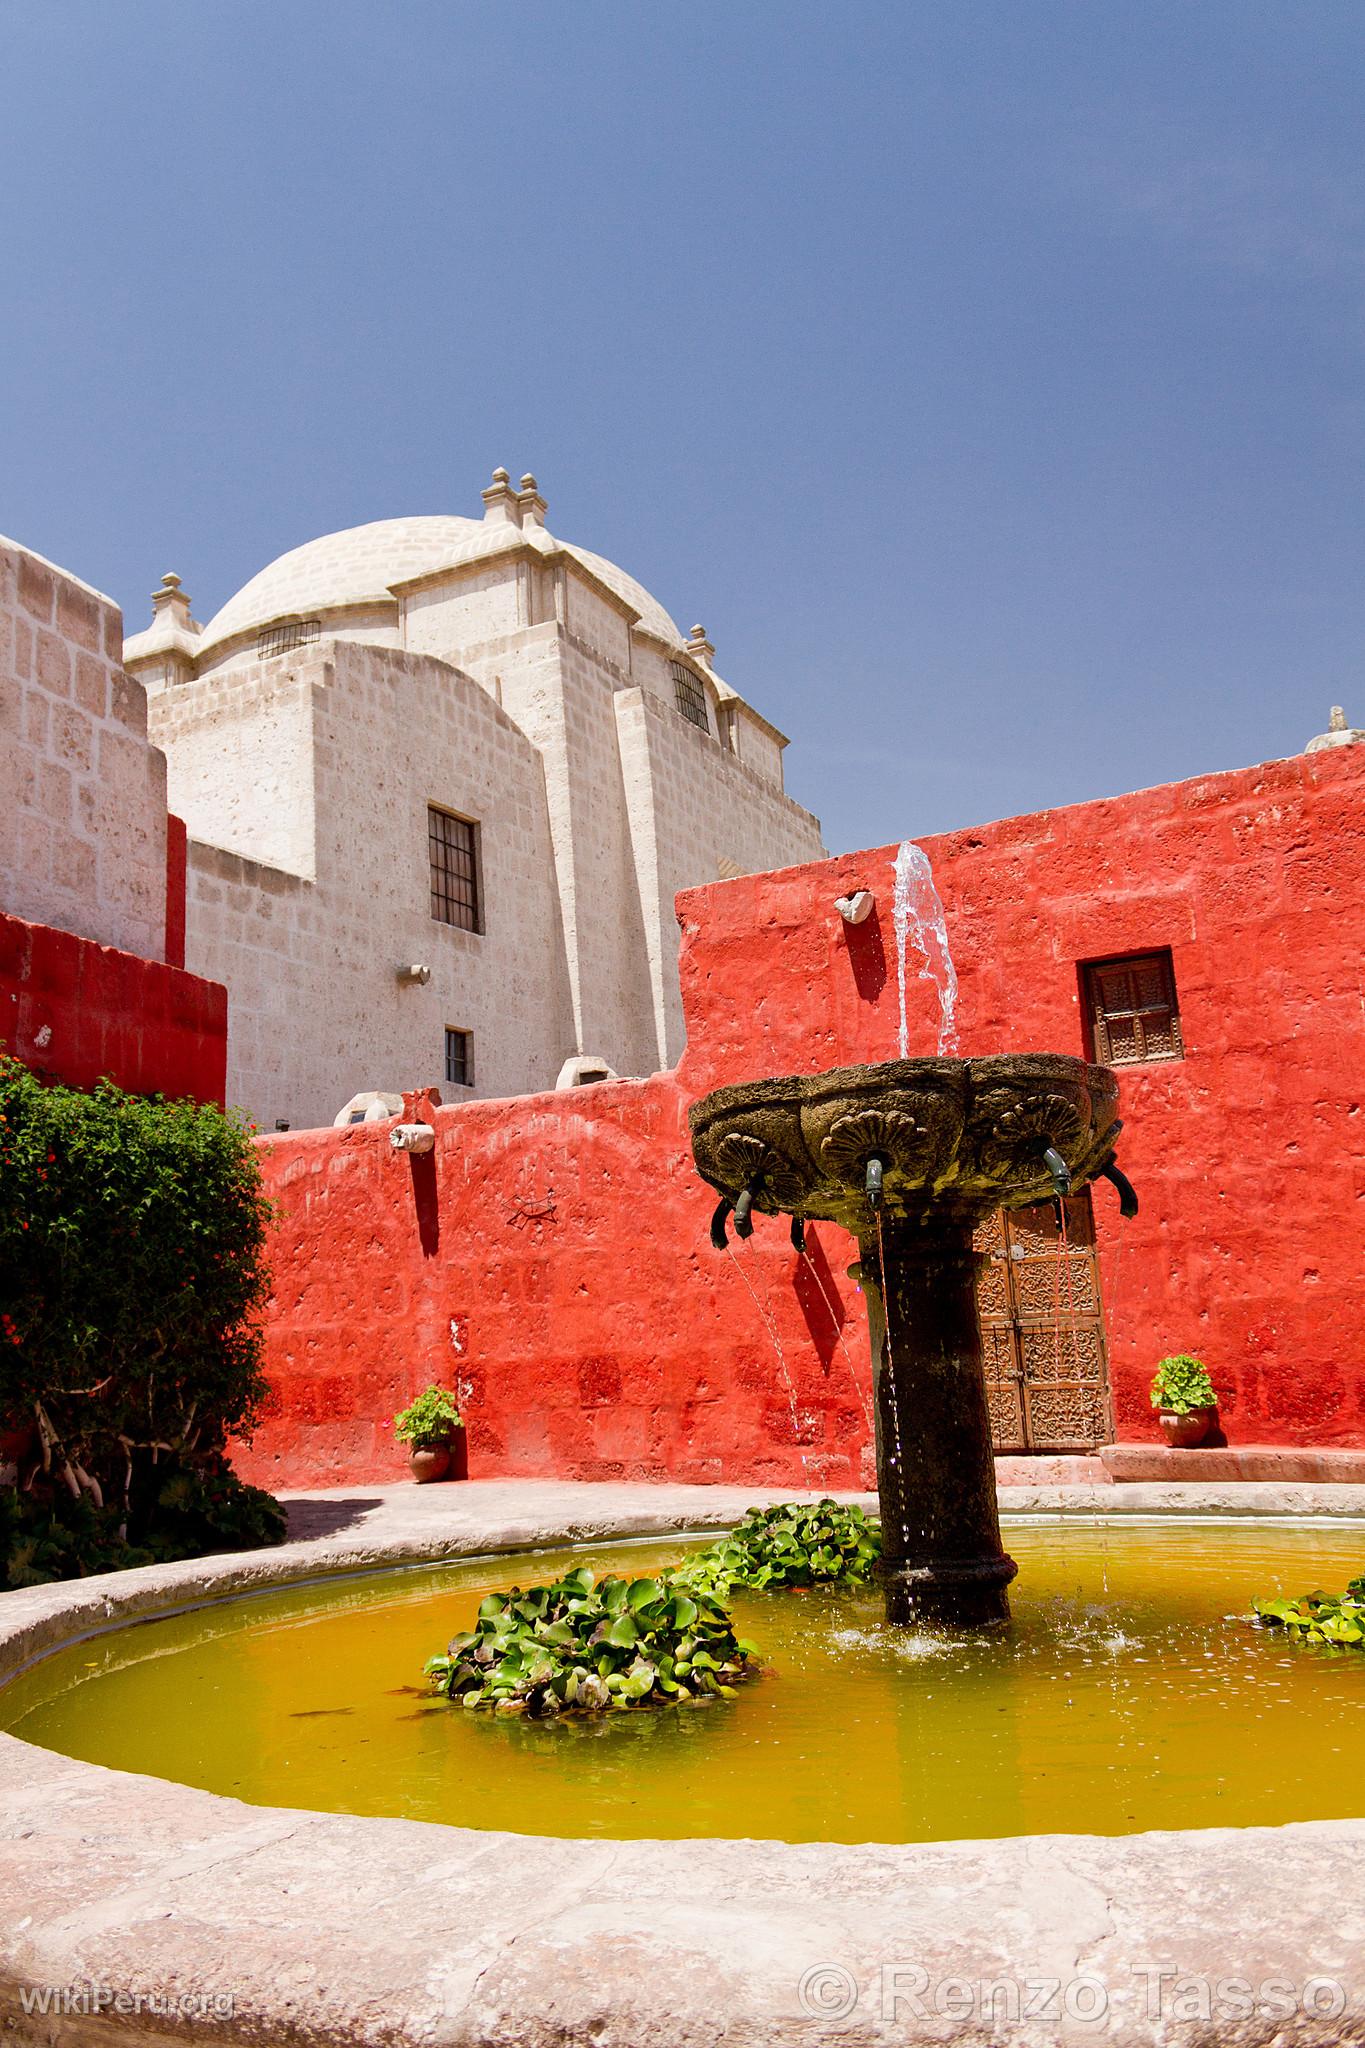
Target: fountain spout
x=1060 y=1171
x=1128 y=1201
x=876 y=1167
x=744 y=1222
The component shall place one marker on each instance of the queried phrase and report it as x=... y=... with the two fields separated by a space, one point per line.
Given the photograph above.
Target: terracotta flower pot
x=1183 y=1432
x=428 y=1462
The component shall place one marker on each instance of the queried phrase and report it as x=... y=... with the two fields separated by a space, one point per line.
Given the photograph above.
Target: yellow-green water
x=1118 y=1700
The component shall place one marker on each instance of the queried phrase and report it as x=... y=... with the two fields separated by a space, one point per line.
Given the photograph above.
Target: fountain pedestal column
x=942 y=1557
x=904 y=1156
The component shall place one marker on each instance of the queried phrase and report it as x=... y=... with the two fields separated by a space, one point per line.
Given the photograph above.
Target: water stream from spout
x=787 y=1380
x=917 y=911
x=892 y=1405
x=853 y=1372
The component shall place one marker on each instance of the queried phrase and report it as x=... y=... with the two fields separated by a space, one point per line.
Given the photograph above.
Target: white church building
x=442 y=778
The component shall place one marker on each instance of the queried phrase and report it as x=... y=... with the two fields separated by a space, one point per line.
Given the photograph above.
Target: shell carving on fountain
x=953 y=1136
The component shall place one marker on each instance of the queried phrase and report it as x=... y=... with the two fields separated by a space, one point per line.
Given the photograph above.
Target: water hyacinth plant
x=796 y=1543
x=1318 y=1617
x=578 y=1646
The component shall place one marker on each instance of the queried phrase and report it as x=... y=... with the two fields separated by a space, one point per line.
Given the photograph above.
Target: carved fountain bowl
x=956 y=1137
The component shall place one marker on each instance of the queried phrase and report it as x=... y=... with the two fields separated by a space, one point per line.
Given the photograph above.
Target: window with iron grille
x=1132 y=1010
x=689 y=696
x=283 y=639
x=460 y=1058
x=452 y=846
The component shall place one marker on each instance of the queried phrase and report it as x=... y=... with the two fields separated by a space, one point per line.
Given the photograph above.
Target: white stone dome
x=341 y=572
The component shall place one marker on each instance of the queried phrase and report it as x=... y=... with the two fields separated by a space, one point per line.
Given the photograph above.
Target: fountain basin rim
x=417 y=1931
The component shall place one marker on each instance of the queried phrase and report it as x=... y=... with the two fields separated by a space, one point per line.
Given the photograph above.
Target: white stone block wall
x=239 y=749
x=255 y=928
x=694 y=806
x=315 y=1009
x=600 y=626
x=467 y=606
x=82 y=792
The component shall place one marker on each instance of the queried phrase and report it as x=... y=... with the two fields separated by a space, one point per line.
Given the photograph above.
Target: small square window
x=1131 y=1006
x=452 y=851
x=460 y=1058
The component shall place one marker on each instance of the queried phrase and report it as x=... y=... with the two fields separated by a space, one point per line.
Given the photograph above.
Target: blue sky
x=987 y=378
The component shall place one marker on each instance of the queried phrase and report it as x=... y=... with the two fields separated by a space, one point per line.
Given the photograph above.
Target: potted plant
x=1183 y=1396
x=432 y=1429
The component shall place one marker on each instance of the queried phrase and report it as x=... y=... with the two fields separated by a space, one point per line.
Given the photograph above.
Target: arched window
x=690 y=696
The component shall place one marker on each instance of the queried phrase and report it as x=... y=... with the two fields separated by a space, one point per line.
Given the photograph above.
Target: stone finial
x=501 y=505
x=699 y=646
x=531 y=503
x=171 y=598
x=1338 y=733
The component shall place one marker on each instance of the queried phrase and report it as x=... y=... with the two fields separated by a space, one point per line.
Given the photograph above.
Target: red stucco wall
x=177 y=860
x=78 y=1012
x=552 y=1255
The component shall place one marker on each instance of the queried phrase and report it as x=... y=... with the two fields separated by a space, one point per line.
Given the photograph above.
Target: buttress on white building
x=442 y=778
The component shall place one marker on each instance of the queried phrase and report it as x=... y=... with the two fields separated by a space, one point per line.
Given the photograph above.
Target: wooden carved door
x=1042 y=1330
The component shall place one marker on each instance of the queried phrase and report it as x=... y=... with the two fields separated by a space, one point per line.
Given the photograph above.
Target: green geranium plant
x=429 y=1421
x=1182 y=1383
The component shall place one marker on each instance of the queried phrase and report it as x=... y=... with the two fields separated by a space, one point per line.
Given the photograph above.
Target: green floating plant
x=584 y=1647
x=795 y=1544
x=1318 y=1617
x=580 y=1646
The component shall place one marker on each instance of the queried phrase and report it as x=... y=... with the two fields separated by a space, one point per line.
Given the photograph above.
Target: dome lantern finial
x=171 y=599
x=531 y=504
x=500 y=503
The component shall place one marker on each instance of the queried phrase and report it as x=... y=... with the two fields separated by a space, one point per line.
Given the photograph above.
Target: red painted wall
x=177 y=860
x=78 y=1012
x=552 y=1256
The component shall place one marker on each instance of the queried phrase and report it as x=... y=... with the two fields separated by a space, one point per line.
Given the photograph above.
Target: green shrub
x=1318 y=1617
x=1182 y=1383
x=578 y=1646
x=794 y=1544
x=133 y=1276
x=430 y=1420
x=197 y=1509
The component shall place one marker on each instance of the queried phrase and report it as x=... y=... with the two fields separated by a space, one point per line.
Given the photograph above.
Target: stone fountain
x=909 y=1156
